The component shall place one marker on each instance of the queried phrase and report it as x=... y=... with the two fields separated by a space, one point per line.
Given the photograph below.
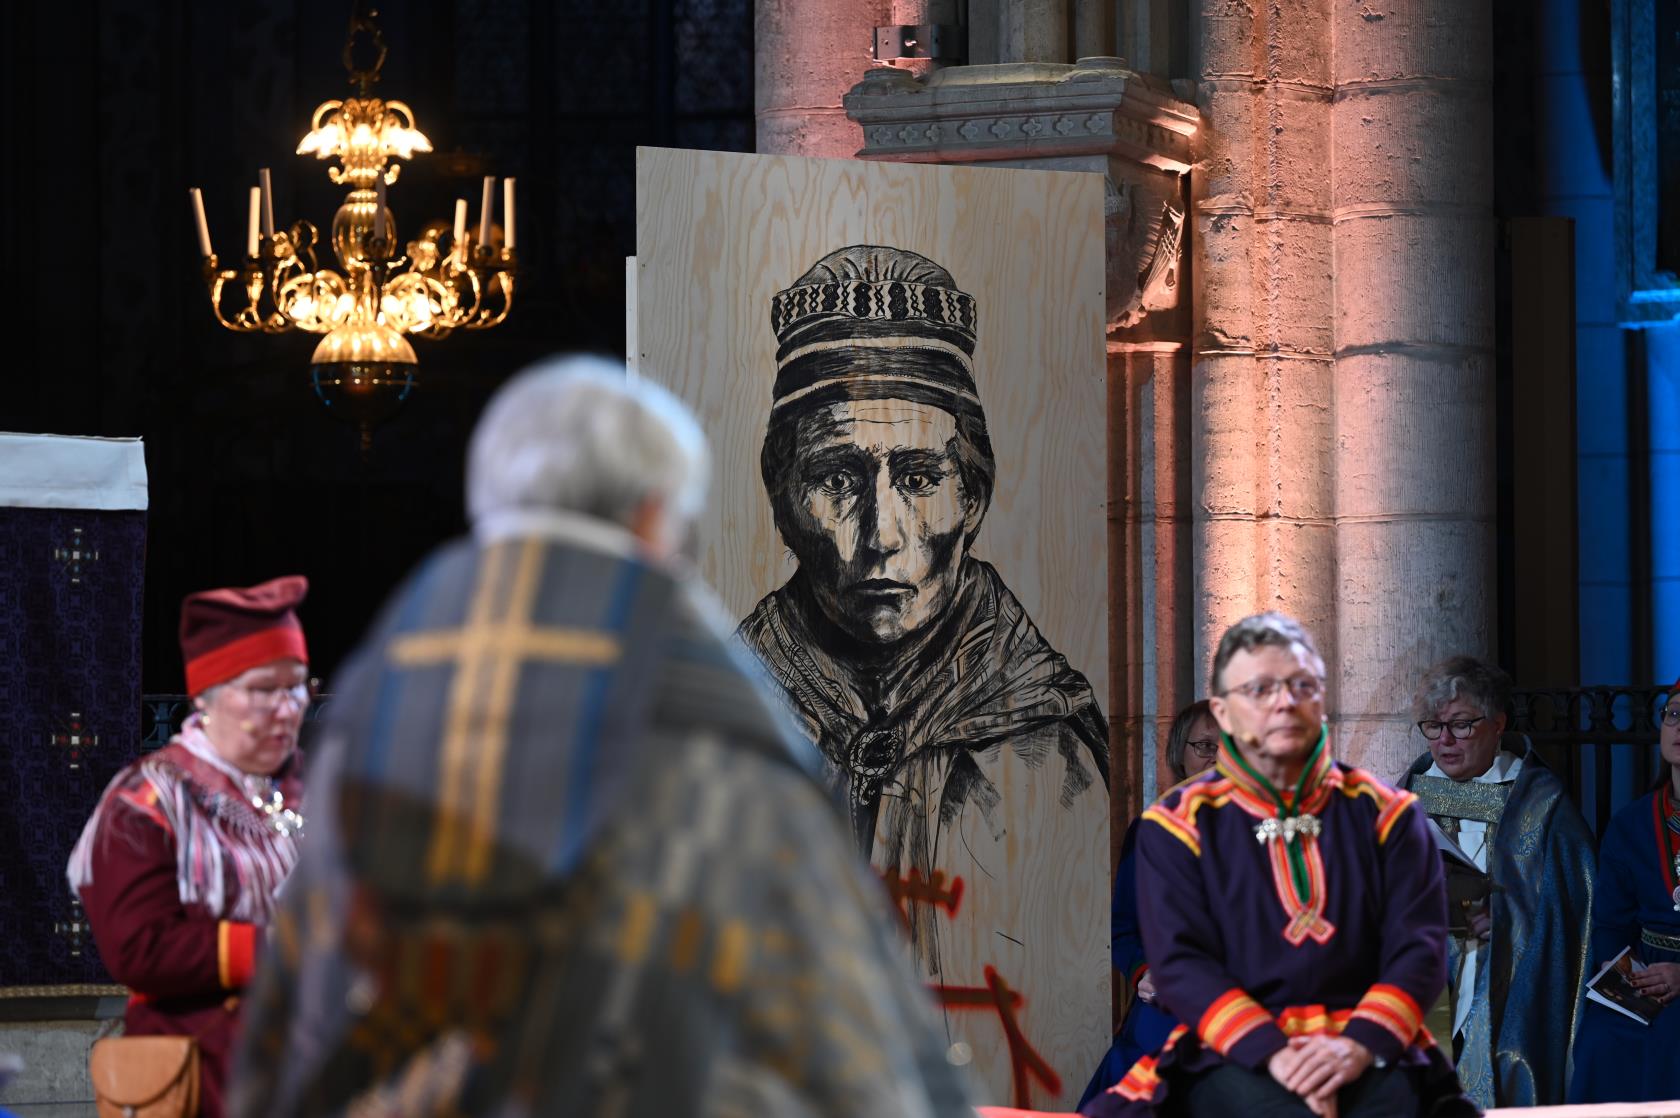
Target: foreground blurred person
x=179 y=865
x=566 y=862
x=1299 y=963
x=1517 y=941
x=1637 y=909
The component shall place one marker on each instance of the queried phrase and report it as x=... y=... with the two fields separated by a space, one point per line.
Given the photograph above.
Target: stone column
x=1033 y=31
x=1414 y=368
x=1092 y=28
x=1262 y=449
x=810 y=52
x=1149 y=542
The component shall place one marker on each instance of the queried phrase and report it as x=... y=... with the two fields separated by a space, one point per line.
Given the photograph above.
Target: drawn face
x=880 y=514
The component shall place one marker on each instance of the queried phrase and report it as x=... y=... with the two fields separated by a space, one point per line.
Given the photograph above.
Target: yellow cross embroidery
x=488 y=651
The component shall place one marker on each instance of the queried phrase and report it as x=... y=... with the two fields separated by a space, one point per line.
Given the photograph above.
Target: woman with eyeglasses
x=1192 y=746
x=1517 y=942
x=178 y=867
x=1637 y=908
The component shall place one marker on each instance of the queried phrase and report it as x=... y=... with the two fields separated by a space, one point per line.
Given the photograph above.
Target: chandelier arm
x=216 y=279
x=503 y=281
x=472 y=307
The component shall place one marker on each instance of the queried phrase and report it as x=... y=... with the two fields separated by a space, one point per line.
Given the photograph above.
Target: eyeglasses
x=1460 y=728
x=1670 y=716
x=1302 y=688
x=270 y=697
x=1204 y=749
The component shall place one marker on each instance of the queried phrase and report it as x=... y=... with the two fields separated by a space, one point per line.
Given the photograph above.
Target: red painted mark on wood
x=913 y=889
x=1024 y=1059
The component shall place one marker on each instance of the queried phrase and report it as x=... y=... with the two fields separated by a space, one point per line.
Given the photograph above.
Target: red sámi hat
x=227 y=632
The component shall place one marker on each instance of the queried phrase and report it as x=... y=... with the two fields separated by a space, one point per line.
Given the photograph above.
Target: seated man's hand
x=1326 y=1065
x=1283 y=1065
x=1146 y=989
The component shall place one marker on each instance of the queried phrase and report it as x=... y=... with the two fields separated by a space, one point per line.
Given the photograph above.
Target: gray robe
x=563 y=860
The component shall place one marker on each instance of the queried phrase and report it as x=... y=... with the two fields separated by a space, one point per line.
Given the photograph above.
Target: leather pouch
x=145 y=1076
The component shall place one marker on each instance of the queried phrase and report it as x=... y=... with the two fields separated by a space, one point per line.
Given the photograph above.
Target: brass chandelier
x=449 y=277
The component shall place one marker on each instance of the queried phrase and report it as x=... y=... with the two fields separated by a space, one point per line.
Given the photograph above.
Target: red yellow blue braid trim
x=1141 y=1080
x=1393 y=1009
x=1232 y=1016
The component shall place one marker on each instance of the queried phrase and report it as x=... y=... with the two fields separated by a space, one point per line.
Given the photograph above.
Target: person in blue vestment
x=1517 y=952
x=1637 y=907
x=1192 y=746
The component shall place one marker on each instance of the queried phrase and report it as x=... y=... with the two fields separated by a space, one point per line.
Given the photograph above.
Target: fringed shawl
x=228 y=861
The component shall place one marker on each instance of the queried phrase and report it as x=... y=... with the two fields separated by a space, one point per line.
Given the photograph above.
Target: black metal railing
x=1561 y=721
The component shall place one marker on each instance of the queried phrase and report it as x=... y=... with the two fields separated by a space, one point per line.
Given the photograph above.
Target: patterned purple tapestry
x=70 y=590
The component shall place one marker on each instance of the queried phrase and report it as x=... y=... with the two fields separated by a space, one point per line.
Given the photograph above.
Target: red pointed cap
x=227 y=632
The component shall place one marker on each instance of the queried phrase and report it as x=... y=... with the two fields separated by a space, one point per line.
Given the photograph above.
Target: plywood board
x=934 y=616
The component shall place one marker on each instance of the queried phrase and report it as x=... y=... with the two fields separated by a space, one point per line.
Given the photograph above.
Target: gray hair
x=1257 y=631
x=1464 y=677
x=576 y=434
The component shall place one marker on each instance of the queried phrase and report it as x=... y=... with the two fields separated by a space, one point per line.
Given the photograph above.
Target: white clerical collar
x=555 y=524
x=1506 y=765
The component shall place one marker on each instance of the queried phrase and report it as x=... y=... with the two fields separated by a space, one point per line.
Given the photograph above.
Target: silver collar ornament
x=1270 y=830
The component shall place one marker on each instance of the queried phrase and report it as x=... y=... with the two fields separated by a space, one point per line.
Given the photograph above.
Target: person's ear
x=1499 y=722
x=651 y=524
x=1221 y=713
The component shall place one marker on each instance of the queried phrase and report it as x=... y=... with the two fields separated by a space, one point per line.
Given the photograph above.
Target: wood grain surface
x=717 y=236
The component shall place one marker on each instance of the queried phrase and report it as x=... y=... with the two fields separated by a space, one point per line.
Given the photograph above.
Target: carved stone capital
x=1023 y=110
x=1092 y=116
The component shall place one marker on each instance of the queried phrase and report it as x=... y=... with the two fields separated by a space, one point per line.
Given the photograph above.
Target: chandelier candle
x=484 y=209
x=460 y=245
x=251 y=223
x=507 y=215
x=197 y=197
x=267 y=184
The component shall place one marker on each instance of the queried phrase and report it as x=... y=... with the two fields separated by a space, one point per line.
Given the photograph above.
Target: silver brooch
x=1269 y=830
x=281 y=819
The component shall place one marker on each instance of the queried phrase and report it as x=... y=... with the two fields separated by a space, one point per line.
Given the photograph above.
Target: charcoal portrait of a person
x=902 y=656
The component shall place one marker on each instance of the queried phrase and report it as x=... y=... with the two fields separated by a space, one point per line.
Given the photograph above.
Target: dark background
x=115 y=108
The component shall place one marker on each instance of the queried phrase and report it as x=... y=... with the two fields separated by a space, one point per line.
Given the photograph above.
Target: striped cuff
x=1239 y=1029
x=1386 y=1021
x=1137 y=975
x=236 y=954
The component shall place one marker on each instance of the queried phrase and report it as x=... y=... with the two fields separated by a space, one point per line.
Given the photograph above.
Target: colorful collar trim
x=1307 y=797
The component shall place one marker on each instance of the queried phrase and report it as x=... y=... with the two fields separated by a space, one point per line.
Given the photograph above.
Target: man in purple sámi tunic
x=1293 y=915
